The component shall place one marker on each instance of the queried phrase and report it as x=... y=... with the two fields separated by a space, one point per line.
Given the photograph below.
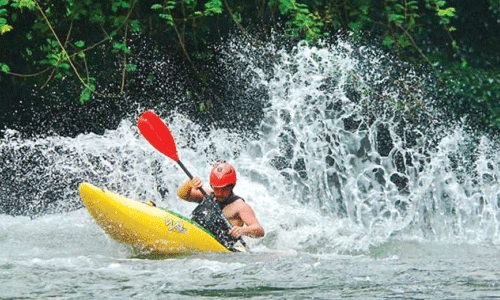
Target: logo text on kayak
x=175 y=226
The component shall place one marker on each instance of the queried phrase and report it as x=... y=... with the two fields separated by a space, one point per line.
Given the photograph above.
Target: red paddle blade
x=157 y=134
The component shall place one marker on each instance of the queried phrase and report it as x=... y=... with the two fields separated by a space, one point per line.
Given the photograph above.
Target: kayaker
x=238 y=212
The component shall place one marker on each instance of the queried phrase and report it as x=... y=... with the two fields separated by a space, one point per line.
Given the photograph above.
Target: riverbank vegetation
x=85 y=48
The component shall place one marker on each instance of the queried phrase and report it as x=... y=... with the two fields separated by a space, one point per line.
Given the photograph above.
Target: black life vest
x=209 y=215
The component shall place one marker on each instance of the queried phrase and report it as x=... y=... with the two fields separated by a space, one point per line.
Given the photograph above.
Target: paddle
x=158 y=135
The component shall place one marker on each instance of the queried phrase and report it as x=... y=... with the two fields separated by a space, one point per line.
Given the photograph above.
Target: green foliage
x=474 y=93
x=398 y=22
x=131 y=67
x=88 y=90
x=164 y=11
x=213 y=7
x=121 y=47
x=444 y=13
x=360 y=16
x=301 y=22
x=51 y=40
x=4 y=68
x=4 y=27
x=402 y=23
x=59 y=39
x=54 y=56
x=187 y=10
x=29 y=4
x=119 y=4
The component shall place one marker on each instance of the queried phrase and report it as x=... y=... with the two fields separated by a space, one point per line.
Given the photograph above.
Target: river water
x=366 y=191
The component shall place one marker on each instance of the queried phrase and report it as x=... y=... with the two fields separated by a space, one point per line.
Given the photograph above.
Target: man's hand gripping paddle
x=158 y=135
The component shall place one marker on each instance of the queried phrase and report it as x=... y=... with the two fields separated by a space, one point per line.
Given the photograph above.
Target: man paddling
x=235 y=209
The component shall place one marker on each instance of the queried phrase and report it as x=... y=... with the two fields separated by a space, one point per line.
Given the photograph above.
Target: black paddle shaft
x=191 y=177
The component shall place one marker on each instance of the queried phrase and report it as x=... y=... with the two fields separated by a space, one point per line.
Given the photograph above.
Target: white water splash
x=351 y=153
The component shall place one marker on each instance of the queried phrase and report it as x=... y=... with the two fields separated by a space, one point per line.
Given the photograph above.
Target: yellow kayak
x=146 y=228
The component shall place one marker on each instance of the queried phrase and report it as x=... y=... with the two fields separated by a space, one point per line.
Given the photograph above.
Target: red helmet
x=222 y=174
